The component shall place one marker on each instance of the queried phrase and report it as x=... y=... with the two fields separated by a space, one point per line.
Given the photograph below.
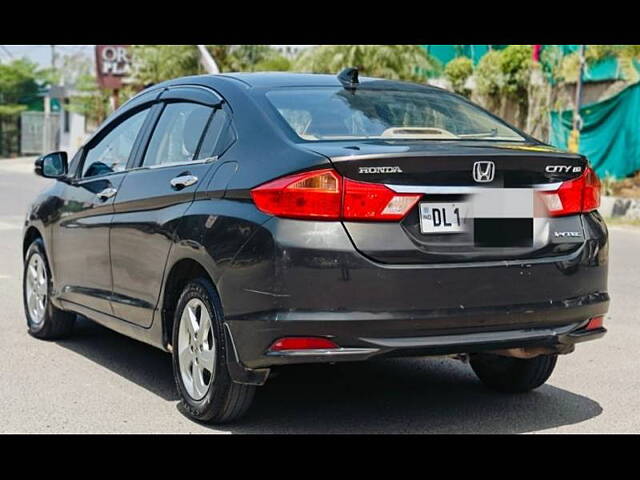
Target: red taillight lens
x=316 y=194
x=591 y=193
x=324 y=194
x=302 y=343
x=371 y=201
x=581 y=194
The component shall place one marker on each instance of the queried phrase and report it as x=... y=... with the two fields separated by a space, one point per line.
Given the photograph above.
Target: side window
x=177 y=134
x=218 y=137
x=111 y=154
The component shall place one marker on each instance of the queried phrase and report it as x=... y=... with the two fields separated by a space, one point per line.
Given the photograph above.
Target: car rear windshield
x=335 y=113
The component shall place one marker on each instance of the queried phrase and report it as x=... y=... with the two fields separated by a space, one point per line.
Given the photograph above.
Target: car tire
x=512 y=375
x=207 y=391
x=44 y=321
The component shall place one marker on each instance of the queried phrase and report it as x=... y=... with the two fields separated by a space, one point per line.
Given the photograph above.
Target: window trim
x=135 y=163
x=116 y=122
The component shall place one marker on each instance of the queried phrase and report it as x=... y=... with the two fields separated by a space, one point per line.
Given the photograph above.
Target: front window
x=334 y=113
x=111 y=154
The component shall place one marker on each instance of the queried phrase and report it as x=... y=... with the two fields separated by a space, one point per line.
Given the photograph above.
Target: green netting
x=610 y=137
x=446 y=53
x=606 y=69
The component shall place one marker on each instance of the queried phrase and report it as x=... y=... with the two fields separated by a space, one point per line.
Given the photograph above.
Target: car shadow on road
x=415 y=395
x=138 y=362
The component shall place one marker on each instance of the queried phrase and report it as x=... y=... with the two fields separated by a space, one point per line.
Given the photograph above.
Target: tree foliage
x=157 y=63
x=19 y=82
x=394 y=62
x=505 y=72
x=458 y=72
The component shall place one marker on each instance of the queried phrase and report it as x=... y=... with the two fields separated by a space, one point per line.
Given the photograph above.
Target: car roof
x=289 y=79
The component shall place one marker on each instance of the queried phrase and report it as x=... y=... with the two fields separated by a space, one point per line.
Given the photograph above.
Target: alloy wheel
x=196 y=349
x=36 y=288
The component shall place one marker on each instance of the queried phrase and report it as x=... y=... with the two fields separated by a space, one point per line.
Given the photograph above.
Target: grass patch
x=622 y=222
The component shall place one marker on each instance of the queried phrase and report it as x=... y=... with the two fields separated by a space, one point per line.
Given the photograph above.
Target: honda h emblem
x=484 y=172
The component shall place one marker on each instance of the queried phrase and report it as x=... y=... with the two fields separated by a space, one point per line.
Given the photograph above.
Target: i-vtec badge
x=380 y=170
x=566 y=234
x=562 y=169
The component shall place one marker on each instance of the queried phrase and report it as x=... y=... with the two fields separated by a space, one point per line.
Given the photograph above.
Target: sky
x=42 y=53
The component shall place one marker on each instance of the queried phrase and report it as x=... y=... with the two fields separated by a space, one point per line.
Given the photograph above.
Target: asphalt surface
x=100 y=381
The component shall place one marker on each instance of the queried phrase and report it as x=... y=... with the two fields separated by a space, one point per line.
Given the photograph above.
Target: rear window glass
x=334 y=113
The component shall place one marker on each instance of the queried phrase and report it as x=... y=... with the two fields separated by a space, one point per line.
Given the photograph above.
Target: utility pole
x=47 y=108
x=574 y=139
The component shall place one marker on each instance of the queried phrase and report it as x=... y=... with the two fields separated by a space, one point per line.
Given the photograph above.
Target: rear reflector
x=302 y=343
x=325 y=195
x=579 y=195
x=595 y=323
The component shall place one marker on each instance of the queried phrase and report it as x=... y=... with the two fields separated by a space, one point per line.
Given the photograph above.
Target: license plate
x=443 y=217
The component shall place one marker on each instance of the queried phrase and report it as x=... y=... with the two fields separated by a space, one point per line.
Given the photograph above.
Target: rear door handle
x=107 y=193
x=182 y=181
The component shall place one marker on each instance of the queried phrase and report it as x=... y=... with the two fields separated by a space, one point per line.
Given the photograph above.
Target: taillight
x=373 y=201
x=591 y=192
x=316 y=194
x=579 y=195
x=324 y=194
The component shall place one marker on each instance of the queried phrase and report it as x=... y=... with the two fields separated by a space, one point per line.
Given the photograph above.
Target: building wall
x=73 y=133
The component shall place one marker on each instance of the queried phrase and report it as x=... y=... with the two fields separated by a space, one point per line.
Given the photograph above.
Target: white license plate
x=443 y=217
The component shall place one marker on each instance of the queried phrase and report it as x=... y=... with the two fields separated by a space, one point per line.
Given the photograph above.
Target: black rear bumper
x=362 y=335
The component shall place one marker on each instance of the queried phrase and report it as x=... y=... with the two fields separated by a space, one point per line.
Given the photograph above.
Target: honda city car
x=248 y=222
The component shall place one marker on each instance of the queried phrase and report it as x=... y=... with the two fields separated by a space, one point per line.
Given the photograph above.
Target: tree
x=458 y=72
x=157 y=63
x=395 y=62
x=275 y=63
x=244 y=58
x=248 y=58
x=19 y=83
x=505 y=72
x=90 y=100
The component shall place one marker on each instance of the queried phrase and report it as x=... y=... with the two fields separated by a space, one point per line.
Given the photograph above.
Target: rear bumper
x=361 y=337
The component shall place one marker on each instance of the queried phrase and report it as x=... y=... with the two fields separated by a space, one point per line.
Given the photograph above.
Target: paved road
x=99 y=381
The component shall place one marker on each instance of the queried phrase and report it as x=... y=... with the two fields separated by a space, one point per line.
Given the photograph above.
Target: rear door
x=154 y=196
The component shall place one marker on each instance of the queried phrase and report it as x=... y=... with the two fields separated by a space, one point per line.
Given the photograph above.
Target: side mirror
x=52 y=165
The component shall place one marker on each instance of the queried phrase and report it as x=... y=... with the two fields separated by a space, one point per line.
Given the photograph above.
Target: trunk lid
x=504 y=219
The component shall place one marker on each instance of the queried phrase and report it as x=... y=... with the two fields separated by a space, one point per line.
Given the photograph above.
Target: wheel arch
x=30 y=236
x=181 y=273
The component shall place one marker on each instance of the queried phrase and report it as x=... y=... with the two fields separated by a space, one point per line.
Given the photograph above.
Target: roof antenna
x=349 y=78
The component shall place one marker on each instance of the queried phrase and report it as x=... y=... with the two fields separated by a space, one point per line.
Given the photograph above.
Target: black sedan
x=246 y=222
